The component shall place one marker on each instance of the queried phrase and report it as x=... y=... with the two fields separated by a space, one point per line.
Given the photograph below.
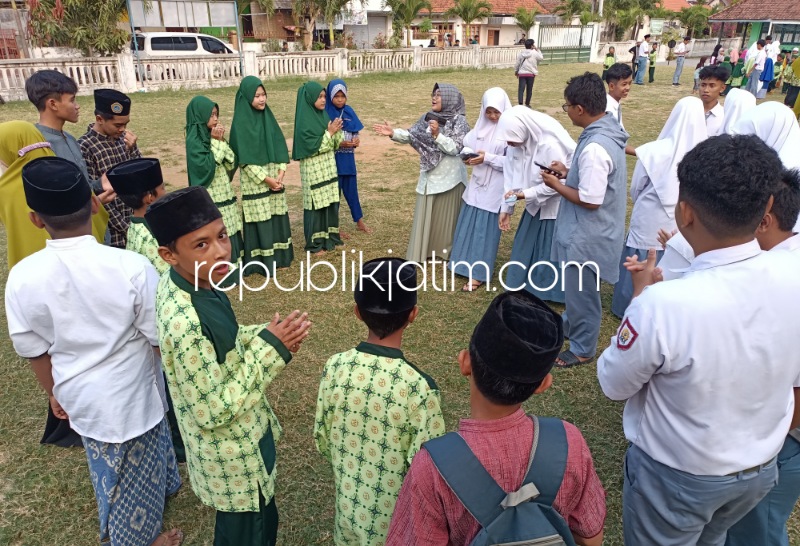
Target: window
x=184 y=43
x=785 y=34
x=161 y=44
x=213 y=46
x=138 y=44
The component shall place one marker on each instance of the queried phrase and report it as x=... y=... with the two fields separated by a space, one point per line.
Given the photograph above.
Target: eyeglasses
x=566 y=106
x=436 y=93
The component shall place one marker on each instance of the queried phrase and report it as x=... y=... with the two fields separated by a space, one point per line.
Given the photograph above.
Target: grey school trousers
x=667 y=507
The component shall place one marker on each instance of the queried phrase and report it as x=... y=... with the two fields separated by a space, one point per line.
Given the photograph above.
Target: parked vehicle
x=177 y=44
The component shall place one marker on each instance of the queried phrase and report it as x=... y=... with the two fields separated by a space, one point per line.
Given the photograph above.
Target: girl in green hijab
x=262 y=155
x=316 y=137
x=210 y=163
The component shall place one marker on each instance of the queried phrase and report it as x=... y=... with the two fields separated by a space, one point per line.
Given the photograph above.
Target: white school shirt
x=678 y=256
x=772 y=50
x=485 y=188
x=708 y=362
x=613 y=107
x=680 y=50
x=761 y=58
x=644 y=49
x=595 y=165
x=648 y=214
x=715 y=120
x=92 y=309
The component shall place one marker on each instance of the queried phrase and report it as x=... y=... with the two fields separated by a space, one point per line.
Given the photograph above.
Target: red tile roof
x=499 y=7
x=760 y=10
x=675 y=5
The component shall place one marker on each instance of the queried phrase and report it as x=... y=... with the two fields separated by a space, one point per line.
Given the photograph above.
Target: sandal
x=471 y=286
x=568 y=359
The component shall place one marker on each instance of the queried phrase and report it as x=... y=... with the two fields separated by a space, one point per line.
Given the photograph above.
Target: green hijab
x=310 y=124
x=256 y=137
x=200 y=164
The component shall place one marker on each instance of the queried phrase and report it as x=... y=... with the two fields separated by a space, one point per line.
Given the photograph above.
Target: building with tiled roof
x=760 y=18
x=675 y=5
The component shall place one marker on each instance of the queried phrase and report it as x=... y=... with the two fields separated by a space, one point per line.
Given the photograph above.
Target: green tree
x=525 y=18
x=305 y=14
x=468 y=11
x=404 y=12
x=569 y=8
x=694 y=18
x=88 y=25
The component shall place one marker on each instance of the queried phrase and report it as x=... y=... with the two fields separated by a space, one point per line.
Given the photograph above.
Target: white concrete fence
x=202 y=72
x=697 y=49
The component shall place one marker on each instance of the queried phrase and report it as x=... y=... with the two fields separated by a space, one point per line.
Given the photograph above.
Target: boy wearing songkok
x=108 y=142
x=512 y=350
x=83 y=314
x=704 y=434
x=138 y=183
x=218 y=371
x=375 y=408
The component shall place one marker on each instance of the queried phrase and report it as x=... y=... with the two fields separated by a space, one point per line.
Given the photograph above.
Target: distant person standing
x=526 y=70
x=754 y=75
x=641 y=59
x=652 y=59
x=772 y=48
x=680 y=57
x=474 y=40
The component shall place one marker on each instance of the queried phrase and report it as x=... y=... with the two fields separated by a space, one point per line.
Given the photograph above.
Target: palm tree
x=525 y=18
x=329 y=10
x=306 y=13
x=404 y=12
x=468 y=11
x=570 y=8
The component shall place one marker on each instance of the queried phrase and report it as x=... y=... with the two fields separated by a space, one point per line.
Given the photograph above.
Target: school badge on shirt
x=626 y=335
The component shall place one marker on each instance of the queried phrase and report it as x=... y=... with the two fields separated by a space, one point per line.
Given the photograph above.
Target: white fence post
x=343 y=59
x=126 y=65
x=416 y=66
x=476 y=56
x=250 y=63
x=534 y=33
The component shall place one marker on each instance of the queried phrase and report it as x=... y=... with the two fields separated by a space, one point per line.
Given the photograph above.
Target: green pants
x=251 y=528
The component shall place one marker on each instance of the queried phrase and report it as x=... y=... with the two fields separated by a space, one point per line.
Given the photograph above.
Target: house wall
x=364 y=35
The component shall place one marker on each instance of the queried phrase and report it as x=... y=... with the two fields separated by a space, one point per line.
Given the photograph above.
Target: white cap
x=796 y=49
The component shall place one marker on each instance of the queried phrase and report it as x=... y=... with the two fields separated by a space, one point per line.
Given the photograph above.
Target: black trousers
x=525 y=87
x=791 y=96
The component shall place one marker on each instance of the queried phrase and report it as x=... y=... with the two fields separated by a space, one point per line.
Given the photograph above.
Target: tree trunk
x=308 y=29
x=408 y=36
x=331 y=37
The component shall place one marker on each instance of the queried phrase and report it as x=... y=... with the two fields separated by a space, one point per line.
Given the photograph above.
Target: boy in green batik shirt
x=375 y=408
x=139 y=183
x=218 y=371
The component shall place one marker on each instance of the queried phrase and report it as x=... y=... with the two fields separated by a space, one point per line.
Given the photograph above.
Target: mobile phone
x=466 y=157
x=511 y=199
x=547 y=169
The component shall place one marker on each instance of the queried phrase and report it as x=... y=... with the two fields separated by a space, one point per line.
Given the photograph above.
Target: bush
x=317 y=46
x=345 y=40
x=380 y=42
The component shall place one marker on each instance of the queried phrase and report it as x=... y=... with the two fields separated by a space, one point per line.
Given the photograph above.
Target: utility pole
x=23 y=39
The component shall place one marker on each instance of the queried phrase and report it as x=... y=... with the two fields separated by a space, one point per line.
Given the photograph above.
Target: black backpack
x=523 y=518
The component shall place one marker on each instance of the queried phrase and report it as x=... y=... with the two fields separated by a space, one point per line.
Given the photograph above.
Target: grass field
x=46 y=497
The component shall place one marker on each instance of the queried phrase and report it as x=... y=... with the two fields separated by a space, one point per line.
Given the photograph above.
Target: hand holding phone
x=548 y=170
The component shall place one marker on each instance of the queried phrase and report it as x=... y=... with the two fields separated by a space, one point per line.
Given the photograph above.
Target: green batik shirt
x=217 y=372
x=258 y=201
x=318 y=174
x=220 y=188
x=141 y=241
x=374 y=411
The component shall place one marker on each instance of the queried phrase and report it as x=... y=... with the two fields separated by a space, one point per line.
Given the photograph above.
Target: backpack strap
x=467 y=478
x=548 y=458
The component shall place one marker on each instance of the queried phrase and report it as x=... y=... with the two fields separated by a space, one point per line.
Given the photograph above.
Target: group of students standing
x=705 y=435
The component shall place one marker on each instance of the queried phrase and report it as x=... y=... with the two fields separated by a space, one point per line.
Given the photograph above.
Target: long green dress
x=261 y=152
x=210 y=163
x=314 y=147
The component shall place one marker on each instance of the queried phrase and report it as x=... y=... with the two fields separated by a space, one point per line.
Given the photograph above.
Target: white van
x=177 y=44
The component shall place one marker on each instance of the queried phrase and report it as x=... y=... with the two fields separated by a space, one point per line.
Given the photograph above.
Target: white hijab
x=483 y=132
x=685 y=129
x=737 y=102
x=776 y=125
x=543 y=140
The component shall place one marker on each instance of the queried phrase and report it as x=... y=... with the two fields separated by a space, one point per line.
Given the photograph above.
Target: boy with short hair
x=652 y=60
x=590 y=228
x=704 y=435
x=53 y=94
x=642 y=52
x=766 y=523
x=108 y=142
x=84 y=316
x=510 y=356
x=758 y=63
x=139 y=183
x=619 y=78
x=712 y=84
x=680 y=52
x=218 y=371
x=375 y=407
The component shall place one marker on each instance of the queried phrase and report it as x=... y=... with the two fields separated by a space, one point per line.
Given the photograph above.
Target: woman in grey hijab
x=438 y=138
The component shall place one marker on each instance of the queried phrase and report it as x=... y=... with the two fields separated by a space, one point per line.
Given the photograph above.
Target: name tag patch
x=626 y=335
